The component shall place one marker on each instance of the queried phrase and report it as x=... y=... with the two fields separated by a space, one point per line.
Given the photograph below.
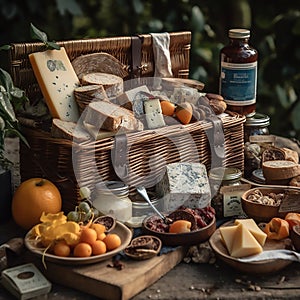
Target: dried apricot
x=184 y=112
x=167 y=107
x=180 y=226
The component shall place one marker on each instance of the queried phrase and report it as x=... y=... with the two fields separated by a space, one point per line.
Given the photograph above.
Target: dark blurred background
x=274 y=25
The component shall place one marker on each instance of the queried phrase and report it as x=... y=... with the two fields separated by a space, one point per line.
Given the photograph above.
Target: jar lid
x=258 y=176
x=239 y=33
x=258 y=120
x=116 y=187
x=225 y=173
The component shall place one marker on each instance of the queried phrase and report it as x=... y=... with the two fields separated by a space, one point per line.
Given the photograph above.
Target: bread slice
x=280 y=169
x=109 y=116
x=69 y=130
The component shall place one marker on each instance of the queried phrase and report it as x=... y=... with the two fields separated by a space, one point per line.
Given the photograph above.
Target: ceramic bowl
x=193 y=237
x=295 y=237
x=257 y=211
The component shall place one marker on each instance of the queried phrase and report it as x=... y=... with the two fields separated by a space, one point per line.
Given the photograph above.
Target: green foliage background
x=274 y=25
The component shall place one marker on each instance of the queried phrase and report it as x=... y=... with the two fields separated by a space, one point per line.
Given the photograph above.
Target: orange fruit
x=33 y=197
x=98 y=247
x=167 y=107
x=112 y=241
x=61 y=249
x=180 y=226
x=88 y=235
x=82 y=250
x=99 y=228
x=101 y=236
x=184 y=112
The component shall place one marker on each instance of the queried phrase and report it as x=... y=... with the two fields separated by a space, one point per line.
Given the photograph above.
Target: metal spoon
x=142 y=191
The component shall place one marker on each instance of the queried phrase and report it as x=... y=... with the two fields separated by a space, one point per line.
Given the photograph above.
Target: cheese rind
x=244 y=243
x=57 y=80
x=250 y=224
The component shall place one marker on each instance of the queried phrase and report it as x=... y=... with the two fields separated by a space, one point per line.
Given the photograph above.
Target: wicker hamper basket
x=70 y=165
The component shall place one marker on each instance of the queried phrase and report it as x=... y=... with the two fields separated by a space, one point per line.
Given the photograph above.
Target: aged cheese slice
x=57 y=80
x=153 y=113
x=227 y=234
x=250 y=224
x=280 y=169
x=244 y=243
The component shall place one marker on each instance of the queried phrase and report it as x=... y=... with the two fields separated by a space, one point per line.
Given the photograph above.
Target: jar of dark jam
x=238 y=73
x=258 y=124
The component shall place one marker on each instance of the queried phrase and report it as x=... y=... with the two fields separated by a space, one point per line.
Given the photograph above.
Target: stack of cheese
x=281 y=166
x=244 y=238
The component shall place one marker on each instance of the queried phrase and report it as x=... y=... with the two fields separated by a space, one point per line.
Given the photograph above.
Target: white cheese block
x=153 y=114
x=57 y=80
x=184 y=184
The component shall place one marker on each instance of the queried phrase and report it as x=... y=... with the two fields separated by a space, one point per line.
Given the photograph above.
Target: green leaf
x=6 y=80
x=6 y=108
x=197 y=19
x=38 y=34
x=295 y=116
x=52 y=45
x=5 y=47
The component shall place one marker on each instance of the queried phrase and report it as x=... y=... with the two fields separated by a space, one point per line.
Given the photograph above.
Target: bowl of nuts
x=262 y=204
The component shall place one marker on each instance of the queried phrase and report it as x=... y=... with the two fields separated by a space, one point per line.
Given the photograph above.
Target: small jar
x=225 y=204
x=111 y=198
x=258 y=124
x=238 y=73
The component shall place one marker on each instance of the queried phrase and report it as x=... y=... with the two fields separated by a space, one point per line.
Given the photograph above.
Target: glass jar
x=111 y=198
x=238 y=73
x=258 y=124
x=226 y=202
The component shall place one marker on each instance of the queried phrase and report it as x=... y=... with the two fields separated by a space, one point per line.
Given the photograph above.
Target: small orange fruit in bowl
x=98 y=247
x=62 y=249
x=88 y=235
x=112 y=241
x=82 y=249
x=180 y=226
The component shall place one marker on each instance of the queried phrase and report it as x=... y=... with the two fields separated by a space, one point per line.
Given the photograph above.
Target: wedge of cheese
x=244 y=243
x=250 y=224
x=228 y=235
x=57 y=80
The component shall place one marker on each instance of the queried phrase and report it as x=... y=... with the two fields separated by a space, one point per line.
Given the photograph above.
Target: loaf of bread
x=109 y=116
x=280 y=169
x=69 y=130
x=112 y=84
x=291 y=155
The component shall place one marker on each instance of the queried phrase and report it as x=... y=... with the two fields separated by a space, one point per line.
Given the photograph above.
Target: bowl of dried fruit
x=262 y=204
x=184 y=227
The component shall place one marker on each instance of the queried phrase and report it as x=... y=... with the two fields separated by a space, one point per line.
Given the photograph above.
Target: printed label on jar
x=238 y=83
x=232 y=199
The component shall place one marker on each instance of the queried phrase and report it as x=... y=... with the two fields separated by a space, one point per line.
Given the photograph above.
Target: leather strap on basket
x=216 y=139
x=136 y=56
x=120 y=157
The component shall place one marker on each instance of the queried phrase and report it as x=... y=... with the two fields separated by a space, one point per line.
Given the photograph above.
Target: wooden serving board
x=109 y=283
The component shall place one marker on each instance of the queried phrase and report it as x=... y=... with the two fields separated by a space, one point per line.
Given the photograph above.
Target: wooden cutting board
x=109 y=283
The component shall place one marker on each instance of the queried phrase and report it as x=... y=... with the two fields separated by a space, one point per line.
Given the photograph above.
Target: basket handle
x=136 y=56
x=216 y=139
x=119 y=156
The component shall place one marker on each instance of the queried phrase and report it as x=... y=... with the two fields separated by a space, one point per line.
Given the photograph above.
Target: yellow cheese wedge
x=244 y=243
x=228 y=234
x=254 y=229
x=57 y=80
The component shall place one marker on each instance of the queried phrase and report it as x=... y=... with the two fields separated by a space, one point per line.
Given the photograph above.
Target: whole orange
x=33 y=197
x=112 y=241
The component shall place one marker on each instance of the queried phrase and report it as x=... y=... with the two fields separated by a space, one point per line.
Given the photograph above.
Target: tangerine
x=98 y=247
x=33 y=197
x=82 y=249
x=61 y=248
x=100 y=229
x=112 y=241
x=167 y=107
x=88 y=235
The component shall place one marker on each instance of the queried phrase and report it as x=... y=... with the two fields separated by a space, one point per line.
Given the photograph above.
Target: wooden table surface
x=192 y=281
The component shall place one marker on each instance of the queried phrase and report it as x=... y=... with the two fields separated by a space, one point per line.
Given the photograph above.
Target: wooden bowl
x=295 y=237
x=193 y=237
x=260 y=212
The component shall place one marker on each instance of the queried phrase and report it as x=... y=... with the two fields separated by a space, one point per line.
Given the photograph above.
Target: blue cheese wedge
x=57 y=80
x=153 y=114
x=184 y=184
x=185 y=94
